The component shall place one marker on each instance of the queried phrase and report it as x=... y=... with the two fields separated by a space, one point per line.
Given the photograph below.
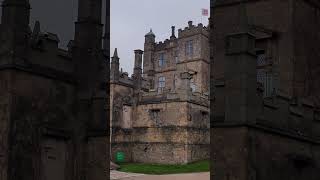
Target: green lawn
x=201 y=166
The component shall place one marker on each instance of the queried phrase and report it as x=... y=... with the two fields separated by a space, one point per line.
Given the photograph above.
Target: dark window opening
x=155 y=116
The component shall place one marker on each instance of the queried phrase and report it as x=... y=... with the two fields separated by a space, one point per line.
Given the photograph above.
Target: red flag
x=205 y=12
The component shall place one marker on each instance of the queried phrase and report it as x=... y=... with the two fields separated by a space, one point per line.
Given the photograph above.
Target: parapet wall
x=193 y=30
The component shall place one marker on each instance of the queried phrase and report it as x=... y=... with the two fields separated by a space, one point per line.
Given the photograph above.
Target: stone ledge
x=270 y=129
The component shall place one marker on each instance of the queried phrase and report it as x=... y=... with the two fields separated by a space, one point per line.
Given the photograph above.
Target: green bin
x=120 y=157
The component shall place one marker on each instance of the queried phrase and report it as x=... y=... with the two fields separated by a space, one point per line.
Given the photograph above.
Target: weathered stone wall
x=229 y=155
x=201 y=76
x=306 y=53
x=275 y=156
x=171 y=114
x=51 y=57
x=282 y=140
x=40 y=107
x=161 y=153
x=119 y=95
x=4 y=123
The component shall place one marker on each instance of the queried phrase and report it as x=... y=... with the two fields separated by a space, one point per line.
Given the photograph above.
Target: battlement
x=166 y=44
x=193 y=30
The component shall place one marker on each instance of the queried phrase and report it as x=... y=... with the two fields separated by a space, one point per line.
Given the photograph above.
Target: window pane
x=161 y=59
x=190 y=47
x=162 y=82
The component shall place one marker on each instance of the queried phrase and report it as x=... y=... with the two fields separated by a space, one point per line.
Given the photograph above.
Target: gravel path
x=132 y=176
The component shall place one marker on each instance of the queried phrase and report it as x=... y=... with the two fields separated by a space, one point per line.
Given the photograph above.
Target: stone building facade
x=161 y=113
x=265 y=68
x=53 y=101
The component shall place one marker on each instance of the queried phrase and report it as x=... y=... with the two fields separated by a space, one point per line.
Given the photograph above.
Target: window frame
x=162 y=60
x=189 y=48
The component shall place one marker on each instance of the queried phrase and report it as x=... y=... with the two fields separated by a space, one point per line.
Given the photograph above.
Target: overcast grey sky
x=130 y=21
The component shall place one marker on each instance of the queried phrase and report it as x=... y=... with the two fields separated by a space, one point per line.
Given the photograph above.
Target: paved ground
x=131 y=176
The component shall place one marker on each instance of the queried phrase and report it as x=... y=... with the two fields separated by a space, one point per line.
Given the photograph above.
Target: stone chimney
x=137 y=71
x=172 y=32
x=138 y=59
x=190 y=24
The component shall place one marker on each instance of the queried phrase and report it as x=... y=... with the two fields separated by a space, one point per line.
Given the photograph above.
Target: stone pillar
x=91 y=73
x=240 y=79
x=230 y=129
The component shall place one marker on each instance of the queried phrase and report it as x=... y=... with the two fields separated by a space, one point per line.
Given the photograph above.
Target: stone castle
x=53 y=102
x=161 y=113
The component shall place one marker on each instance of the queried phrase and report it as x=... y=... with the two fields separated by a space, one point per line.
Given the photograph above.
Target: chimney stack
x=138 y=59
x=137 y=71
x=173 y=32
x=190 y=24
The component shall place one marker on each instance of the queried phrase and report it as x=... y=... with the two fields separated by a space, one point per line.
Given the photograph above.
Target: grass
x=200 y=166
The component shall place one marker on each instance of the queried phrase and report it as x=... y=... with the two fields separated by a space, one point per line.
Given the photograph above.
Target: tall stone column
x=137 y=71
x=91 y=72
x=16 y=133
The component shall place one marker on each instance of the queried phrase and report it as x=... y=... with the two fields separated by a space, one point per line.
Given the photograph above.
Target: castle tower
x=114 y=72
x=148 y=58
